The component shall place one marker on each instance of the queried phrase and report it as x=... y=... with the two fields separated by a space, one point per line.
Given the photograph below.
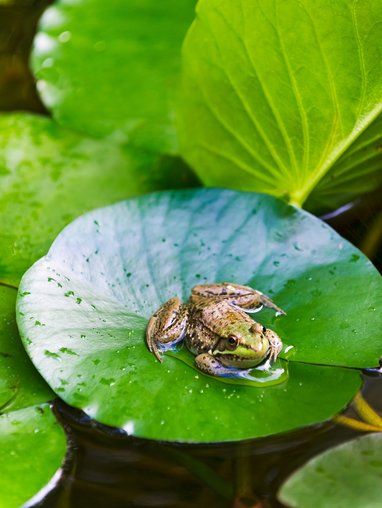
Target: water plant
x=280 y=101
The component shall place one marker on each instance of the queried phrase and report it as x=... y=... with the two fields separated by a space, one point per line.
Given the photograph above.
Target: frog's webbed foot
x=244 y=297
x=167 y=326
x=210 y=365
x=275 y=345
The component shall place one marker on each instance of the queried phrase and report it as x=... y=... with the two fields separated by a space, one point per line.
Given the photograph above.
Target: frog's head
x=243 y=345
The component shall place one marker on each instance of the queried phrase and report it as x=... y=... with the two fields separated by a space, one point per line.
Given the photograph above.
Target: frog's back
x=208 y=319
x=199 y=338
x=219 y=316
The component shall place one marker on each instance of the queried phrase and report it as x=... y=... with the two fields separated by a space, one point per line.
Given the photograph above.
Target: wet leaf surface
x=83 y=308
x=50 y=175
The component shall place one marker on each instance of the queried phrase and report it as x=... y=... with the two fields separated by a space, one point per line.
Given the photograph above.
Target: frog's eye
x=264 y=329
x=231 y=342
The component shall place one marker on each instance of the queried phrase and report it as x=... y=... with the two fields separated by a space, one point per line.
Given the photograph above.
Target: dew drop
x=47 y=63
x=65 y=36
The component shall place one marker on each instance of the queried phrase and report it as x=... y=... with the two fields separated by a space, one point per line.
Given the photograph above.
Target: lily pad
x=83 y=308
x=347 y=475
x=27 y=424
x=32 y=449
x=54 y=175
x=285 y=98
x=20 y=384
x=112 y=67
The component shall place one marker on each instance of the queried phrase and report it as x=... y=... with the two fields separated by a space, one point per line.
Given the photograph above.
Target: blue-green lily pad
x=83 y=308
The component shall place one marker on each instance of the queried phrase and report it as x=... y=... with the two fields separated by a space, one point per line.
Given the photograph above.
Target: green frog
x=216 y=328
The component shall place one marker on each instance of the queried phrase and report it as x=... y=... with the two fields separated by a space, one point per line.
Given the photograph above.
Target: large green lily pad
x=50 y=175
x=32 y=444
x=112 y=67
x=285 y=98
x=347 y=475
x=83 y=308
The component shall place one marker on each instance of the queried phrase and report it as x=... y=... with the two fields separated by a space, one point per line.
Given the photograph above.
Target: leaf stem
x=203 y=472
x=244 y=495
x=372 y=239
x=319 y=172
x=366 y=412
x=293 y=202
x=352 y=423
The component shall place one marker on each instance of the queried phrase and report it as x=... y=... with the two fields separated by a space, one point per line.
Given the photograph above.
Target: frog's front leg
x=275 y=344
x=244 y=297
x=210 y=365
x=167 y=326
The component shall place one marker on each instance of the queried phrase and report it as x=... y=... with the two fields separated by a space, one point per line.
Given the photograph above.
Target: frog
x=216 y=328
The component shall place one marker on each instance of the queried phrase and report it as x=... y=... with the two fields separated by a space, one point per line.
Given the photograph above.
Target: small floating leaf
x=347 y=475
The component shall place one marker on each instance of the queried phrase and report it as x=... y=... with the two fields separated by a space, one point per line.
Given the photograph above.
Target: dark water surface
x=106 y=468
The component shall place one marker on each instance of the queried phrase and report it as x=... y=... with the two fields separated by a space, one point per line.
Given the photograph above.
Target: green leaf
x=32 y=447
x=356 y=172
x=285 y=97
x=111 y=269
x=20 y=384
x=112 y=67
x=54 y=175
x=32 y=444
x=347 y=475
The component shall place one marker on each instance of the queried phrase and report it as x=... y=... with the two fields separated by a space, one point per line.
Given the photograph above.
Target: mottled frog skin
x=216 y=328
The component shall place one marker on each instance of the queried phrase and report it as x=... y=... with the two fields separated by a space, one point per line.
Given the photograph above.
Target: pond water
x=106 y=468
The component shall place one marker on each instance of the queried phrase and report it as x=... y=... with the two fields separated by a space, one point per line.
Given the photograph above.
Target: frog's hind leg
x=212 y=366
x=264 y=300
x=167 y=326
x=244 y=297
